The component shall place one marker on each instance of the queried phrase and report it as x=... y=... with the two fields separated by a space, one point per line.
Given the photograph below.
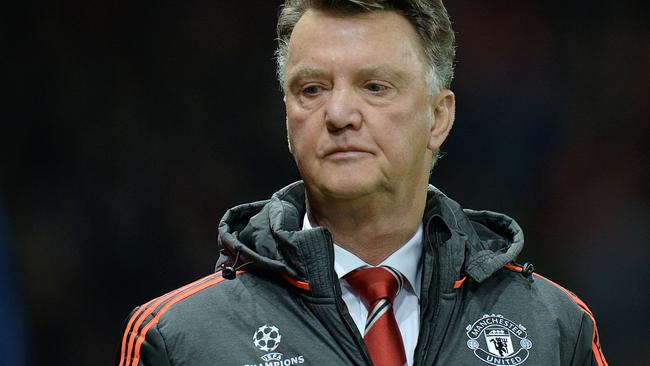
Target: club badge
x=497 y=340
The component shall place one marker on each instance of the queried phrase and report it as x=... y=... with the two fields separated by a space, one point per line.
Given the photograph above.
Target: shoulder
x=530 y=297
x=537 y=292
x=556 y=298
x=191 y=300
x=146 y=324
x=208 y=318
x=588 y=339
x=548 y=309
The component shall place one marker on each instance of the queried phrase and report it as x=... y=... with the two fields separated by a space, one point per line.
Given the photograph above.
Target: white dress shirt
x=406 y=307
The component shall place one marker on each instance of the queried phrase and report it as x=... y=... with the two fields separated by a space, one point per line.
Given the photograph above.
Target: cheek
x=405 y=135
x=301 y=138
x=294 y=124
x=293 y=134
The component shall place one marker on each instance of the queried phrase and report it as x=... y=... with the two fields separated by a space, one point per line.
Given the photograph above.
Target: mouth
x=346 y=153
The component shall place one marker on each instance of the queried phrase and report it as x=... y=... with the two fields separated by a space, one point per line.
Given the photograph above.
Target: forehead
x=364 y=38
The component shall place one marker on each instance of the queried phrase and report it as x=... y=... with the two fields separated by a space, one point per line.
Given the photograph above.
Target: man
x=363 y=262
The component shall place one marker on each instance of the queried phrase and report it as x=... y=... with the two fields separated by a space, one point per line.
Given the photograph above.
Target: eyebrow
x=306 y=72
x=368 y=72
x=382 y=71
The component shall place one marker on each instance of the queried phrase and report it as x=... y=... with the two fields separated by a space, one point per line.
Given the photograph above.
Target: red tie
x=377 y=287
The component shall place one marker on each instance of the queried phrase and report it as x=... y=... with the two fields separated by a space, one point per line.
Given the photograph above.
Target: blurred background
x=128 y=128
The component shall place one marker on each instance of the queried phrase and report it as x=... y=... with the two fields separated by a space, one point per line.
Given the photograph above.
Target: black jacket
x=283 y=306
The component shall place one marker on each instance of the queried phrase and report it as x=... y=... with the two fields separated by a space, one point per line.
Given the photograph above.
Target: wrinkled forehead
x=386 y=33
x=357 y=14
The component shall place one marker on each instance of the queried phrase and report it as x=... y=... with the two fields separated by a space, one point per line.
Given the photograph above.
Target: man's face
x=359 y=117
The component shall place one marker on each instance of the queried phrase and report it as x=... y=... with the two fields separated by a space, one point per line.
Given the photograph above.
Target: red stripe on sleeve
x=143 y=333
x=595 y=340
x=142 y=313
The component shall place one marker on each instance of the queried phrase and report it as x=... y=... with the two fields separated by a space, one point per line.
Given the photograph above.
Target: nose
x=342 y=111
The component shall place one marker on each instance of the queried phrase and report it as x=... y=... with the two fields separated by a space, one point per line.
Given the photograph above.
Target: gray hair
x=429 y=17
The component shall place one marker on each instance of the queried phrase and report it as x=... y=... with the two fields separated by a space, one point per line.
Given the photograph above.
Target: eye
x=376 y=88
x=311 y=89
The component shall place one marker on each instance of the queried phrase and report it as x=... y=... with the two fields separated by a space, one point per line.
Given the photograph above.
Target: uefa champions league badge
x=497 y=340
x=267 y=339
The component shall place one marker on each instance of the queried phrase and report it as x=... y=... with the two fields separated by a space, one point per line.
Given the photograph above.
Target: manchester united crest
x=497 y=340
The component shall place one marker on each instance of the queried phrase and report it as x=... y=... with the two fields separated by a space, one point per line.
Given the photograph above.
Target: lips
x=345 y=151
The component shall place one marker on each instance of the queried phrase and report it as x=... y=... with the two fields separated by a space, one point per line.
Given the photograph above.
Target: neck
x=372 y=228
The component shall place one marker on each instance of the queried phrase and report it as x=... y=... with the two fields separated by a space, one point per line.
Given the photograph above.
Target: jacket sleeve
x=587 y=349
x=142 y=344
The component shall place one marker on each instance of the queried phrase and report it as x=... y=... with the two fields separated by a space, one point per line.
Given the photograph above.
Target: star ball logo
x=267 y=338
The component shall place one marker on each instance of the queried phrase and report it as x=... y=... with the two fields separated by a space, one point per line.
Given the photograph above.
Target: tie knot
x=375 y=283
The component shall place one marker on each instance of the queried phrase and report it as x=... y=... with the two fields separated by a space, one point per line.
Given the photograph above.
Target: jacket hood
x=267 y=235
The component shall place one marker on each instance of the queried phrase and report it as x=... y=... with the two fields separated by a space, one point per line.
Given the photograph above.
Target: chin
x=346 y=187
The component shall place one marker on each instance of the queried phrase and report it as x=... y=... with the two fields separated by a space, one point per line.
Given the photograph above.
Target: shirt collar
x=407 y=259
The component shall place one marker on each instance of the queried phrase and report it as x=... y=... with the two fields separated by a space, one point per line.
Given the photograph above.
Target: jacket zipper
x=436 y=298
x=341 y=306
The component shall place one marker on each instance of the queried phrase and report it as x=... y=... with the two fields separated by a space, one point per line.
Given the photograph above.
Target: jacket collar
x=268 y=236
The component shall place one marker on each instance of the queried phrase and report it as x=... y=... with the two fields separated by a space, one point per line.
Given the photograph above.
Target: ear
x=444 y=113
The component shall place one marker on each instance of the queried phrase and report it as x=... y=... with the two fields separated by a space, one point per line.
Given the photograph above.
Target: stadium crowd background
x=130 y=127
